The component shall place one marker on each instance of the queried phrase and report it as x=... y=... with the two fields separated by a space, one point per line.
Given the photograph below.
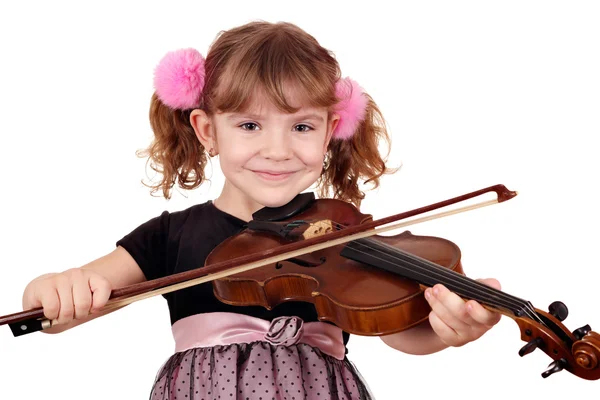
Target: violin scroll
x=577 y=352
x=587 y=351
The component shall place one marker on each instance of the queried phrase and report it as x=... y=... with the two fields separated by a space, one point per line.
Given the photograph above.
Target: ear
x=203 y=127
x=331 y=125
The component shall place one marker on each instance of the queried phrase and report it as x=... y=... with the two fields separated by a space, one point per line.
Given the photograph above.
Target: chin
x=273 y=203
x=270 y=199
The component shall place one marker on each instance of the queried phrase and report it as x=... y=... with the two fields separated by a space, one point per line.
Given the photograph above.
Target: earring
x=211 y=152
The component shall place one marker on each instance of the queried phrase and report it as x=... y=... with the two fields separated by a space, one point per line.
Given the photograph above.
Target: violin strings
x=474 y=289
x=449 y=275
x=453 y=284
x=466 y=284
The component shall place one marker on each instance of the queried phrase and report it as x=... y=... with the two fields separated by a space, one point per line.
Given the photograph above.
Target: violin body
x=358 y=298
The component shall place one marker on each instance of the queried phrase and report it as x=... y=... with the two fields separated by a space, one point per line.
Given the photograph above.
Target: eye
x=303 y=128
x=249 y=126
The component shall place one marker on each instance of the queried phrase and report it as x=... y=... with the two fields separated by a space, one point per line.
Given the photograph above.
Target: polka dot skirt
x=258 y=371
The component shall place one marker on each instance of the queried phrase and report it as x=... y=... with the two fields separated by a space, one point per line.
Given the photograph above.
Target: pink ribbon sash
x=221 y=328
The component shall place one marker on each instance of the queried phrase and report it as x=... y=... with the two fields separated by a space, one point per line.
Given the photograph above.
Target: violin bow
x=578 y=351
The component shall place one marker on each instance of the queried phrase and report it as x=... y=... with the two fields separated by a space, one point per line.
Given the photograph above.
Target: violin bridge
x=318 y=228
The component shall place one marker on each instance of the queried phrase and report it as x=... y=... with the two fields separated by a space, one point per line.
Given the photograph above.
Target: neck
x=234 y=202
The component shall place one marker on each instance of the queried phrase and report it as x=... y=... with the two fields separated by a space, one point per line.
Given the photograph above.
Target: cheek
x=316 y=160
x=311 y=153
x=231 y=153
x=234 y=156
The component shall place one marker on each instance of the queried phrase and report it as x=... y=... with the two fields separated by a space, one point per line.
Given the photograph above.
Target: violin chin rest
x=298 y=204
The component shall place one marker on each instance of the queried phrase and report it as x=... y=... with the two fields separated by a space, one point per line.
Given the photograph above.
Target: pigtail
x=175 y=152
x=357 y=158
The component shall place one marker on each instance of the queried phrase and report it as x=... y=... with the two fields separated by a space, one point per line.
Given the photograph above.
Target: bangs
x=284 y=73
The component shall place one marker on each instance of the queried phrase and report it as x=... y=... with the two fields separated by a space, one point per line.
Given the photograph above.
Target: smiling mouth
x=273 y=176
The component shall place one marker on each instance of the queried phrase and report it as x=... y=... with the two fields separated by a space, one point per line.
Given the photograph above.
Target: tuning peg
x=554 y=367
x=531 y=346
x=559 y=310
x=581 y=332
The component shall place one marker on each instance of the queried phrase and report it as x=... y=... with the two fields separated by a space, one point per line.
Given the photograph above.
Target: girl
x=271 y=103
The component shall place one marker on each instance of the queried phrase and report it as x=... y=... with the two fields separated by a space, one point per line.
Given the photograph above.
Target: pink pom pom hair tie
x=179 y=81
x=351 y=108
x=179 y=78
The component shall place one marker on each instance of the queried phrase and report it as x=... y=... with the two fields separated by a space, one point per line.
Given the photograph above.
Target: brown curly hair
x=268 y=56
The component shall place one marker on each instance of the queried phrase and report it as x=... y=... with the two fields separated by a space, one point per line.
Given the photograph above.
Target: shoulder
x=169 y=221
x=204 y=215
x=198 y=223
x=195 y=212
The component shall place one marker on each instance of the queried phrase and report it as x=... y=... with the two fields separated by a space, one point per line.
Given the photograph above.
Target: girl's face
x=268 y=156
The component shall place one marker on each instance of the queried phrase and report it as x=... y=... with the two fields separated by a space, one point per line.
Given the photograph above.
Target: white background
x=475 y=93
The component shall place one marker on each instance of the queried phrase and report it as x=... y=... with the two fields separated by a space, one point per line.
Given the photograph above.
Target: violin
x=326 y=252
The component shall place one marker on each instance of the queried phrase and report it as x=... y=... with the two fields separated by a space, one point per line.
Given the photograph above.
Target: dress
x=233 y=352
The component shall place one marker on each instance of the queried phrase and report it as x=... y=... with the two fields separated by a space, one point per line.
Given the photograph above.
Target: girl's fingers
x=65 y=297
x=100 y=290
x=82 y=297
x=449 y=307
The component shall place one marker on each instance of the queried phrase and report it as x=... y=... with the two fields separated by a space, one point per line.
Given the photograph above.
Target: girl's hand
x=70 y=295
x=456 y=321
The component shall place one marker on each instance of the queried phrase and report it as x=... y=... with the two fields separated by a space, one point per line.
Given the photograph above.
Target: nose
x=276 y=146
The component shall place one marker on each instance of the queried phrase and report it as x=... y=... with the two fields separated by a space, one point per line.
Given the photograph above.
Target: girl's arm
x=116 y=269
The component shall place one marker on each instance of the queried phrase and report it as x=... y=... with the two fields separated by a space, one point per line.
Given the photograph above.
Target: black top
x=181 y=241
